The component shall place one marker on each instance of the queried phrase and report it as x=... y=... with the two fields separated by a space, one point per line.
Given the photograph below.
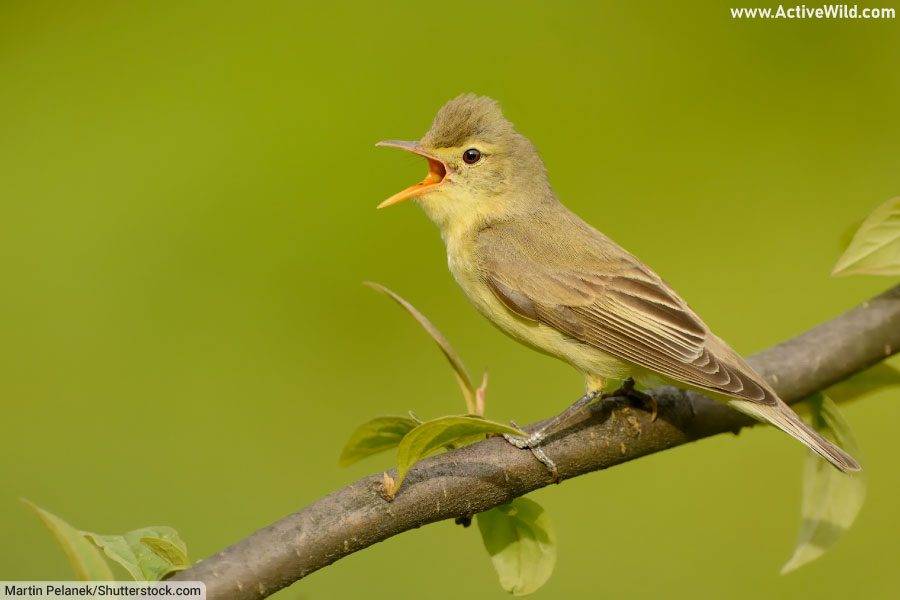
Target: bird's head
x=478 y=164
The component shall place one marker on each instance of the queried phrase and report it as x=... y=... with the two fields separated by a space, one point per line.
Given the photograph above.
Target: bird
x=554 y=283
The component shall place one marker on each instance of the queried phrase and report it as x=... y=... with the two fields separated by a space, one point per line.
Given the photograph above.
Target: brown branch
x=489 y=473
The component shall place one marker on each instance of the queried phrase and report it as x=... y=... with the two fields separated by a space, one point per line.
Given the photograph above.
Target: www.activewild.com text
x=802 y=11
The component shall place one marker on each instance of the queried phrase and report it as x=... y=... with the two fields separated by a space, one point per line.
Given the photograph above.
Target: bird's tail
x=781 y=416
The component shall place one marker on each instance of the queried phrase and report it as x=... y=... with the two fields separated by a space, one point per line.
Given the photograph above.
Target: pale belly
x=588 y=360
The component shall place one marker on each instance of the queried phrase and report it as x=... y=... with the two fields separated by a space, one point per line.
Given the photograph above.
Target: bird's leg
x=537 y=437
x=646 y=401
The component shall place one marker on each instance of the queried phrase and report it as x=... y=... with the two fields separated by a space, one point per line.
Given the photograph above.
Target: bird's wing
x=616 y=304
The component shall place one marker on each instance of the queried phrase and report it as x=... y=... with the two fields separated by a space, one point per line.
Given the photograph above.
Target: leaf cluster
x=518 y=535
x=146 y=554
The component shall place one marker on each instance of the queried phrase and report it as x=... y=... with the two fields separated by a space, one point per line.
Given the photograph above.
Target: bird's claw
x=646 y=401
x=516 y=440
x=547 y=462
x=523 y=442
x=532 y=443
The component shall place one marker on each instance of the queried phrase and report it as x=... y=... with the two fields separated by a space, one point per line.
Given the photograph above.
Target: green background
x=187 y=194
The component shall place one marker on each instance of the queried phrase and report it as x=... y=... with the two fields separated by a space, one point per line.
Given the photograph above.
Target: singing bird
x=554 y=283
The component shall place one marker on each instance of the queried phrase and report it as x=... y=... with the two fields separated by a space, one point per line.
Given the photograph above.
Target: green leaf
x=875 y=249
x=432 y=436
x=169 y=551
x=372 y=437
x=847 y=235
x=86 y=560
x=117 y=548
x=522 y=544
x=143 y=561
x=871 y=380
x=459 y=370
x=831 y=499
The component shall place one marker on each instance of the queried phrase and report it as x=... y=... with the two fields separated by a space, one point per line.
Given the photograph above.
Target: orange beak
x=436 y=172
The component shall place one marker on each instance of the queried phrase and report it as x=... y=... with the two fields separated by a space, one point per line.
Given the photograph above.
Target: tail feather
x=781 y=416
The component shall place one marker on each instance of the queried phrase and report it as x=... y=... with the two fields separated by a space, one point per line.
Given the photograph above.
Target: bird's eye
x=471 y=156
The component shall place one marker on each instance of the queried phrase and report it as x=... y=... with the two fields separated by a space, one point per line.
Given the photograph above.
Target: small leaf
x=377 y=435
x=86 y=560
x=871 y=380
x=831 y=499
x=847 y=235
x=459 y=370
x=522 y=544
x=168 y=551
x=117 y=548
x=432 y=436
x=142 y=561
x=875 y=249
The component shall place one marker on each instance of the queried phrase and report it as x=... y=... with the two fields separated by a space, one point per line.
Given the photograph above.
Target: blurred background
x=188 y=212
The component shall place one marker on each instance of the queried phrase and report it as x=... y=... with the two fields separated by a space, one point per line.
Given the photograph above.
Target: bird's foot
x=638 y=398
x=524 y=442
x=645 y=402
x=533 y=442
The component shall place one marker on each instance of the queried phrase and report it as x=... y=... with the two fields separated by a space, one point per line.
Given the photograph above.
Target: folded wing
x=619 y=306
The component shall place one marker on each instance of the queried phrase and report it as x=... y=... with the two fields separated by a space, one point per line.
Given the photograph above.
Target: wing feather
x=626 y=310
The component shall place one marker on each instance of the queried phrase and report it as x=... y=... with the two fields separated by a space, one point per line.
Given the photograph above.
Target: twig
x=489 y=473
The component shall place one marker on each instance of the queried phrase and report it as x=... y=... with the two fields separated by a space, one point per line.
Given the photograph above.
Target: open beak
x=436 y=172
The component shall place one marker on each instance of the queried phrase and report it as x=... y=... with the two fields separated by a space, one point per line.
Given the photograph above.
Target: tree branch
x=484 y=475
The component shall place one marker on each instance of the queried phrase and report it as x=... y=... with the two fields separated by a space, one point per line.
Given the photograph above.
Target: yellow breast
x=464 y=264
